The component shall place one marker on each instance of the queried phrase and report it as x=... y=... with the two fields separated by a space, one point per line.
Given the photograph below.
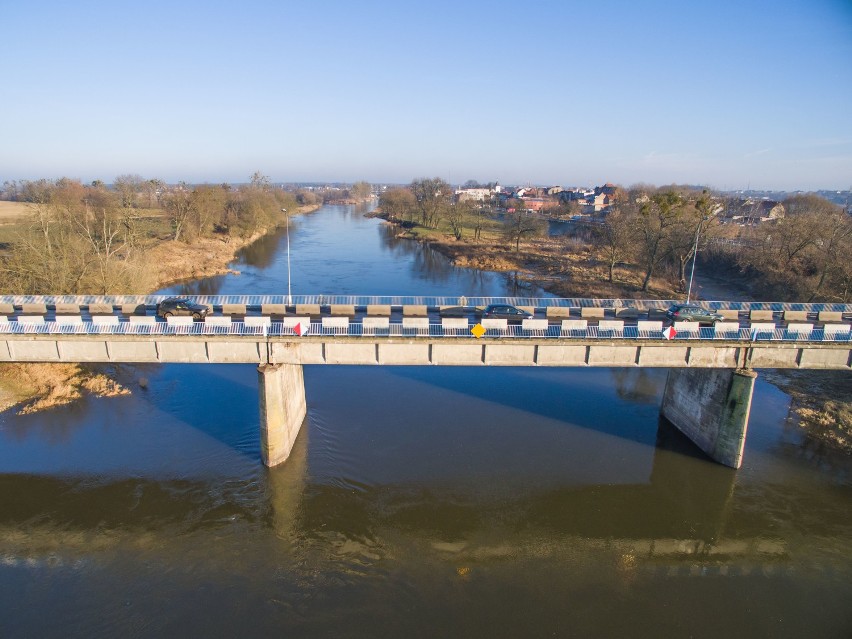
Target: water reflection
x=263 y=252
x=205 y=286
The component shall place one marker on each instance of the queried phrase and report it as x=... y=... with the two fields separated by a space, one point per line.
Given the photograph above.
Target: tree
x=617 y=234
x=207 y=211
x=433 y=197
x=478 y=221
x=128 y=188
x=307 y=198
x=656 y=218
x=816 y=235
x=690 y=231
x=360 y=190
x=10 y=190
x=458 y=215
x=260 y=181
x=519 y=225
x=153 y=189
x=397 y=202
x=179 y=205
x=76 y=243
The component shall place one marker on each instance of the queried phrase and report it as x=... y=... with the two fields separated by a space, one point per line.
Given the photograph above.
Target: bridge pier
x=711 y=406
x=282 y=409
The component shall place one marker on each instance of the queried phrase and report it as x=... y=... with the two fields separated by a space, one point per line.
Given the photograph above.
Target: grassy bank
x=565 y=266
x=36 y=387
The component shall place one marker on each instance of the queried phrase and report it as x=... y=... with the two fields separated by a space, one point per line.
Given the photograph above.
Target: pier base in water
x=711 y=406
x=282 y=409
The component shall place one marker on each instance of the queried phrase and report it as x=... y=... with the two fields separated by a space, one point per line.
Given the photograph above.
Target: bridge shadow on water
x=616 y=402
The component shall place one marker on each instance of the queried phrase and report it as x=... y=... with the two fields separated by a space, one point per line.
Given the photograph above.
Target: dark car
x=181 y=306
x=505 y=311
x=692 y=313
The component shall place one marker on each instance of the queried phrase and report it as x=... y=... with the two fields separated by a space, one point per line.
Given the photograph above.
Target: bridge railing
x=838 y=333
x=217 y=301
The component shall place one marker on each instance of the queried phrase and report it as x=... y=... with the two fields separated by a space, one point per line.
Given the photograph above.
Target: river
x=418 y=501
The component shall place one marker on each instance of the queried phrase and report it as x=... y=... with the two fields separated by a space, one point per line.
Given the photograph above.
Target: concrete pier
x=282 y=409
x=711 y=407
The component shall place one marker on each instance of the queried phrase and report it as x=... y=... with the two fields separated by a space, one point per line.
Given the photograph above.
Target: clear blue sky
x=728 y=93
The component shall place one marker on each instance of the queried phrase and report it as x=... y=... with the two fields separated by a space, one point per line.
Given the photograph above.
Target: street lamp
x=289 y=296
x=695 y=256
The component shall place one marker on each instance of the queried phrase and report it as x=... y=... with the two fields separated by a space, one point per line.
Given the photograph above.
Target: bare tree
x=432 y=197
x=179 y=205
x=397 y=203
x=520 y=225
x=617 y=235
x=128 y=187
x=691 y=230
x=656 y=218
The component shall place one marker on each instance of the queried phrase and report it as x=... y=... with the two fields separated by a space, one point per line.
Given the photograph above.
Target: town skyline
x=557 y=93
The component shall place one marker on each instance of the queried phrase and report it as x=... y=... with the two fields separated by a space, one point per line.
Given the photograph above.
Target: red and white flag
x=301 y=329
x=669 y=332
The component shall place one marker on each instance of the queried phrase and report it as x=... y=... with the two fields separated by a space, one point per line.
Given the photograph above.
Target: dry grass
x=564 y=266
x=173 y=262
x=821 y=402
x=41 y=386
x=13 y=211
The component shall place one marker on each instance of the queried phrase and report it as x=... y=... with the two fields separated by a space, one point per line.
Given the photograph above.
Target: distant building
x=748 y=211
x=477 y=195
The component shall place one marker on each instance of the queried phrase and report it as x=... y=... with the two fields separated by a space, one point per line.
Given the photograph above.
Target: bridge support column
x=282 y=409
x=711 y=406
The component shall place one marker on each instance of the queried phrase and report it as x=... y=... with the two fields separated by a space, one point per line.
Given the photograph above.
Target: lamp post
x=289 y=296
x=694 y=257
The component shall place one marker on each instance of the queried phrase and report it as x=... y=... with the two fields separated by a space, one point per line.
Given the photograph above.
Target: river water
x=418 y=501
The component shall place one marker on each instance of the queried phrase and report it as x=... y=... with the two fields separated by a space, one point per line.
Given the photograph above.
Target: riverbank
x=37 y=387
x=821 y=401
x=563 y=265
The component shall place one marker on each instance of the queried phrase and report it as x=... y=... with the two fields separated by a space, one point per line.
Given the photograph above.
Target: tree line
x=90 y=239
x=431 y=203
x=655 y=233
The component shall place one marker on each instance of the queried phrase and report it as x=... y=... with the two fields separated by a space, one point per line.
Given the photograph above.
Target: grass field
x=11 y=212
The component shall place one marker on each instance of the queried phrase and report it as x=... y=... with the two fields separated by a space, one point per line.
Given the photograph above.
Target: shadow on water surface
x=591 y=399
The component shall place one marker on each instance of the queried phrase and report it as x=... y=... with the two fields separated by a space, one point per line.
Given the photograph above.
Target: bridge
x=707 y=396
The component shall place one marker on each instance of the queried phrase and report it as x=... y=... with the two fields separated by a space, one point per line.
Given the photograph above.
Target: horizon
x=735 y=97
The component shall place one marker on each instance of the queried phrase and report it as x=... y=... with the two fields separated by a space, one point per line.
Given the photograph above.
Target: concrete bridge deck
x=213 y=347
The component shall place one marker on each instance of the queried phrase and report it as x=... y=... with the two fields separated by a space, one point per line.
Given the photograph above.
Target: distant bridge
x=708 y=394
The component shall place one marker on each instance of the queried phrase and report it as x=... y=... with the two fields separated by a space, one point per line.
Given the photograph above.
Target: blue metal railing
x=841 y=334
x=218 y=301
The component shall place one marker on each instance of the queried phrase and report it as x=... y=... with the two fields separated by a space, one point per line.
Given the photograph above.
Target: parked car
x=505 y=311
x=181 y=306
x=692 y=313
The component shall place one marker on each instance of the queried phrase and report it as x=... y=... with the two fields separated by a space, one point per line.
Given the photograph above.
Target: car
x=505 y=311
x=181 y=306
x=692 y=313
